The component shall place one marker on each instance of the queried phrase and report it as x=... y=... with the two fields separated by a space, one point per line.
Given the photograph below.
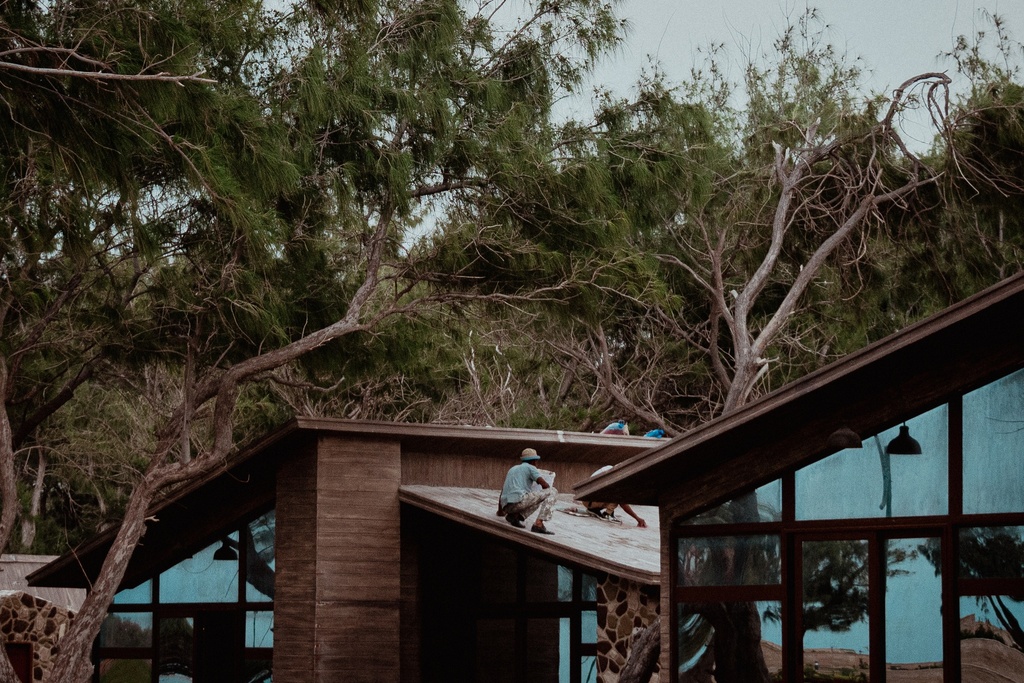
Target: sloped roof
x=623 y=550
x=876 y=388
x=15 y=568
x=191 y=516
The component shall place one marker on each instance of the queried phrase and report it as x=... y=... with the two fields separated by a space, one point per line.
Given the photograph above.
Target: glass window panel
x=127 y=629
x=589 y=670
x=542 y=650
x=913 y=606
x=994 y=552
x=589 y=588
x=729 y=561
x=588 y=634
x=764 y=505
x=257 y=671
x=867 y=482
x=176 y=643
x=497 y=574
x=542 y=579
x=756 y=638
x=993 y=442
x=564 y=584
x=125 y=670
x=140 y=595
x=565 y=661
x=990 y=638
x=259 y=629
x=495 y=650
x=202 y=578
x=835 y=607
x=260 y=561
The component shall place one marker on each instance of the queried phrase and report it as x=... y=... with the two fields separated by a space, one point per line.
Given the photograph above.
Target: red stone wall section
x=622 y=607
x=25 y=618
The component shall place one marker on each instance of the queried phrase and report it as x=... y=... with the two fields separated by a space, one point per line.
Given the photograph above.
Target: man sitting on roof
x=518 y=499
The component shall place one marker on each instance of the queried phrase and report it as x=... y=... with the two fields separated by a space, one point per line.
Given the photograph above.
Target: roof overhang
x=894 y=379
x=189 y=517
x=623 y=550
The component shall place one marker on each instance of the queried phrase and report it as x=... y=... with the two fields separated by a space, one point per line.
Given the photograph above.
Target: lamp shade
x=904 y=443
x=225 y=552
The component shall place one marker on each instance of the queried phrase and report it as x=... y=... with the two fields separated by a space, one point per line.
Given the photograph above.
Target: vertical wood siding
x=295 y=587
x=358 y=561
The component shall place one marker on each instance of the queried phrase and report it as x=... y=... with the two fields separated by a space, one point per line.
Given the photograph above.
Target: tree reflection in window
x=726 y=636
x=993 y=553
x=259 y=566
x=835 y=583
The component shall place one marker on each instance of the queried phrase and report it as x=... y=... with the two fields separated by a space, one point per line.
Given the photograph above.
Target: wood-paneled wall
x=481 y=472
x=295 y=580
x=337 y=607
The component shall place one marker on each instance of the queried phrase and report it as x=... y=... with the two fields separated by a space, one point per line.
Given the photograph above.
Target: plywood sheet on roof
x=621 y=549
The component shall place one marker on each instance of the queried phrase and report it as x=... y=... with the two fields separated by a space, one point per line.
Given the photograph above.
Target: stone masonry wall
x=622 y=607
x=27 y=619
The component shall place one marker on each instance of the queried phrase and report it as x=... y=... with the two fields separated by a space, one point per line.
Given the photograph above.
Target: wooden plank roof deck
x=623 y=550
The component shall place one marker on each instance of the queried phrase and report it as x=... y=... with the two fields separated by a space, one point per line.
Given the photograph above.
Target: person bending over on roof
x=519 y=500
x=607 y=510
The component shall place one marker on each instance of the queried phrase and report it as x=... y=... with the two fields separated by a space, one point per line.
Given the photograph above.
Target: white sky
x=895 y=38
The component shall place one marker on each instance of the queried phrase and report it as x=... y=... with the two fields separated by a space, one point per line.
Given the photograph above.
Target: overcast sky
x=896 y=38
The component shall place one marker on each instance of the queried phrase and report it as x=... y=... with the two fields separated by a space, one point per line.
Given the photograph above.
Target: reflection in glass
x=259 y=629
x=995 y=552
x=991 y=637
x=564 y=584
x=589 y=588
x=913 y=605
x=257 y=671
x=176 y=636
x=764 y=505
x=835 y=606
x=589 y=674
x=993 y=442
x=125 y=670
x=127 y=629
x=729 y=561
x=751 y=652
x=589 y=632
x=868 y=482
x=260 y=559
x=140 y=595
x=201 y=578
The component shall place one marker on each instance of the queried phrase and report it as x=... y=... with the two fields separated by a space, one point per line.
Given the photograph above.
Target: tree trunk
x=72 y=664
x=28 y=522
x=9 y=492
x=643 y=654
x=737 y=643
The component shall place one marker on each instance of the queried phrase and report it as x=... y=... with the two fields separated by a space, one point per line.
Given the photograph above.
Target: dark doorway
x=20 y=655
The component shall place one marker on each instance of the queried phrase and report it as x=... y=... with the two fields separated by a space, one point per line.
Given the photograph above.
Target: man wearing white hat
x=518 y=499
